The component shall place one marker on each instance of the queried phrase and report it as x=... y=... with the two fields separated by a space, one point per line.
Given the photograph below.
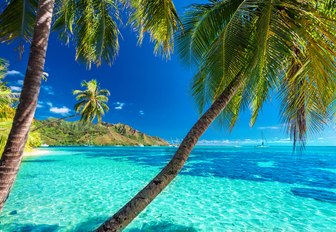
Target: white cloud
x=15 y=88
x=141 y=112
x=227 y=142
x=269 y=127
x=40 y=104
x=119 y=105
x=14 y=72
x=60 y=110
x=48 y=89
x=49 y=104
x=20 y=82
x=282 y=141
x=244 y=142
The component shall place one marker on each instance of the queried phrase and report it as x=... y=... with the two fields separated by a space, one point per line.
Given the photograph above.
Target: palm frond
x=202 y=24
x=65 y=16
x=17 y=20
x=91 y=102
x=159 y=19
x=259 y=39
x=92 y=26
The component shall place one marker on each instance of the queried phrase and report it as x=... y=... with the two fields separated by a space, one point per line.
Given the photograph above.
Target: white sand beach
x=36 y=152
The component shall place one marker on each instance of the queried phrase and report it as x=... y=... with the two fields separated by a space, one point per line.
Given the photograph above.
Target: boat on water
x=237 y=145
x=141 y=145
x=44 y=145
x=263 y=142
x=175 y=143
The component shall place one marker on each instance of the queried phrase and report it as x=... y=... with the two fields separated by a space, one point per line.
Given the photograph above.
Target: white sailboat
x=176 y=143
x=89 y=144
x=263 y=142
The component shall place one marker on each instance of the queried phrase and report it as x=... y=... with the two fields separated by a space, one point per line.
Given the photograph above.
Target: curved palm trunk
x=12 y=155
x=56 y=120
x=127 y=213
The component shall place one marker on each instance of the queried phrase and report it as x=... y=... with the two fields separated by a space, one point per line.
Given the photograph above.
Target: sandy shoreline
x=36 y=152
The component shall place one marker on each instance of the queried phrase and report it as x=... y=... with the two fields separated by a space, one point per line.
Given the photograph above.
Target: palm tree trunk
x=56 y=120
x=12 y=155
x=127 y=213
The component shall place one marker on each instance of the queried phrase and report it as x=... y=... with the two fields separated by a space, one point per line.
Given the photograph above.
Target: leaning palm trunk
x=127 y=213
x=53 y=121
x=12 y=155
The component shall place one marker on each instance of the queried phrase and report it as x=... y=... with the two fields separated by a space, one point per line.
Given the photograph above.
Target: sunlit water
x=220 y=189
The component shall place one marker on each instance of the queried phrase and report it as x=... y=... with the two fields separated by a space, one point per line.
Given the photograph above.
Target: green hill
x=63 y=133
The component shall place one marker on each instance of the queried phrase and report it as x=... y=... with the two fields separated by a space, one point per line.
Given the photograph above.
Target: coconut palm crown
x=283 y=46
x=91 y=102
x=93 y=26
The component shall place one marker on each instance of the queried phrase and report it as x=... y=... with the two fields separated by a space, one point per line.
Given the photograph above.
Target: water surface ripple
x=220 y=189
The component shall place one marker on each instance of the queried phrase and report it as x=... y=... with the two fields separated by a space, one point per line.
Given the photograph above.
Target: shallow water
x=220 y=189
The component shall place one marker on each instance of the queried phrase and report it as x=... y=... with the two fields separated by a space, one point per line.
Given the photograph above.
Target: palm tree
x=7 y=97
x=8 y=100
x=92 y=25
x=5 y=101
x=242 y=50
x=3 y=68
x=5 y=92
x=12 y=155
x=91 y=102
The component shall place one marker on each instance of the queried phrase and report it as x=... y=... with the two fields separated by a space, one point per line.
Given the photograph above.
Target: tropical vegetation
x=8 y=100
x=242 y=51
x=93 y=26
x=63 y=133
x=91 y=102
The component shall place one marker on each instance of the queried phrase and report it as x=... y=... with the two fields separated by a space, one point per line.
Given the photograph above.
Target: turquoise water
x=220 y=189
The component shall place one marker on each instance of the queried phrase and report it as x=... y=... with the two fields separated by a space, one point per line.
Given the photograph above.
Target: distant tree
x=8 y=100
x=91 y=102
x=7 y=97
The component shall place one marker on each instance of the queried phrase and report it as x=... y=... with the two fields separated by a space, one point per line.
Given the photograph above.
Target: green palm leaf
x=91 y=102
x=258 y=39
x=157 y=17
x=17 y=20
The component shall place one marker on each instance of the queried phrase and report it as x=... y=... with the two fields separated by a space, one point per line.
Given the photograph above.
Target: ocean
x=219 y=189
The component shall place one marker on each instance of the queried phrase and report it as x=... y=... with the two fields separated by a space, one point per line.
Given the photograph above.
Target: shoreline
x=36 y=152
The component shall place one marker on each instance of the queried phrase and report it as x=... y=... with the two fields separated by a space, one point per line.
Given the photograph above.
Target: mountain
x=63 y=133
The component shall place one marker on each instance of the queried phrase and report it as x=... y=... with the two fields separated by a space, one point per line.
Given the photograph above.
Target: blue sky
x=147 y=93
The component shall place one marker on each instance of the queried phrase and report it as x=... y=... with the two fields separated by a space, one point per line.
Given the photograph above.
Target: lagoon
x=219 y=189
